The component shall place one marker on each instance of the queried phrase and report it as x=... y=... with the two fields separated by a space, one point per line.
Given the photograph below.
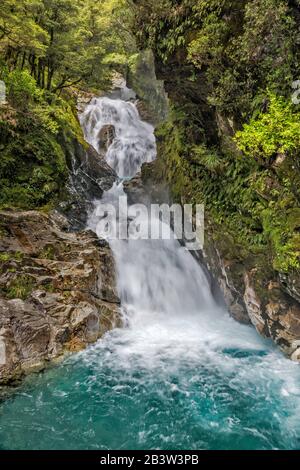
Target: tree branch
x=63 y=84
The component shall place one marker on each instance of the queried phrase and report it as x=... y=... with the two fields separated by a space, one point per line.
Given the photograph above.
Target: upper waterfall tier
x=134 y=142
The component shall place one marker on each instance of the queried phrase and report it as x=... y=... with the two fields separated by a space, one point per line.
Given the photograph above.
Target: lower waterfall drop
x=181 y=374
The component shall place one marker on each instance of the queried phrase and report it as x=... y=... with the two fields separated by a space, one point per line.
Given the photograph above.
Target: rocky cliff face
x=57 y=291
x=152 y=102
x=57 y=282
x=253 y=290
x=89 y=177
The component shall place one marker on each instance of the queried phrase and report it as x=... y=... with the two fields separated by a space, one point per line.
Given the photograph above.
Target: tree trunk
x=32 y=65
x=43 y=77
x=50 y=77
x=39 y=72
x=23 y=60
x=16 y=59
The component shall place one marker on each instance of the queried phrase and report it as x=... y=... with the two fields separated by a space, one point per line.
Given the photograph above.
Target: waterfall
x=173 y=322
x=161 y=285
x=166 y=298
x=134 y=142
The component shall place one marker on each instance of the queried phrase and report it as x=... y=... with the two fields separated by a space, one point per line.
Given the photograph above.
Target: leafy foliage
x=241 y=46
x=20 y=288
x=46 y=47
x=35 y=127
x=66 y=42
x=233 y=63
x=257 y=208
x=274 y=132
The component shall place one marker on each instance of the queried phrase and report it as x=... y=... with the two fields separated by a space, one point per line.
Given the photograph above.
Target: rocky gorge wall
x=254 y=289
x=253 y=292
x=57 y=281
x=57 y=291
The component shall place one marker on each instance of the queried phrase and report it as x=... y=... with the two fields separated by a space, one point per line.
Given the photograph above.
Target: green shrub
x=276 y=131
x=34 y=144
x=21 y=89
x=20 y=288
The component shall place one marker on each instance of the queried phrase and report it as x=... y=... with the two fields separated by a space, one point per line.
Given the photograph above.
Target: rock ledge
x=57 y=291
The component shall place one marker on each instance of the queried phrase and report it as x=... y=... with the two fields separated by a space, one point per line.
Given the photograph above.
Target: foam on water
x=134 y=143
x=181 y=374
x=173 y=322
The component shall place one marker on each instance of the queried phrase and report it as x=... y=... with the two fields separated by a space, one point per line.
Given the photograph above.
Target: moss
x=3 y=231
x=47 y=253
x=34 y=150
x=4 y=257
x=254 y=210
x=33 y=168
x=20 y=287
x=11 y=256
x=280 y=228
x=49 y=287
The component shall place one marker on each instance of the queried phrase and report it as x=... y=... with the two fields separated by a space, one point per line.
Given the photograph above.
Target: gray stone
x=154 y=103
x=69 y=298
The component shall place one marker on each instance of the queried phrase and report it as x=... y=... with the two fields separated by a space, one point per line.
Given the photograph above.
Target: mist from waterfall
x=180 y=374
x=173 y=323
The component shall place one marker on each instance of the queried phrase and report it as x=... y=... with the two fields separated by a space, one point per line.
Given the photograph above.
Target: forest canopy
x=50 y=50
x=65 y=42
x=232 y=139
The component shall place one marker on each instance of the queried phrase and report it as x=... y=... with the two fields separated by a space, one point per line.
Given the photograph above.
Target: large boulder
x=57 y=291
x=89 y=177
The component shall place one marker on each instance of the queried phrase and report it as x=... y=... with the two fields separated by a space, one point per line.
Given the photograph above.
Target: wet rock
x=106 y=137
x=277 y=315
x=120 y=90
x=90 y=176
x=253 y=292
x=291 y=284
x=296 y=355
x=144 y=111
x=57 y=291
x=150 y=91
x=135 y=190
x=227 y=271
x=98 y=172
x=82 y=99
x=253 y=305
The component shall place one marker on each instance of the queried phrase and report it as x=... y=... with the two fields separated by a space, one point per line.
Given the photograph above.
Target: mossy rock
x=142 y=79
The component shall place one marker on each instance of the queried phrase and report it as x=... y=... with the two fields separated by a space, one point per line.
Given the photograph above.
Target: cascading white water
x=173 y=321
x=161 y=285
x=134 y=143
x=164 y=291
x=180 y=375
